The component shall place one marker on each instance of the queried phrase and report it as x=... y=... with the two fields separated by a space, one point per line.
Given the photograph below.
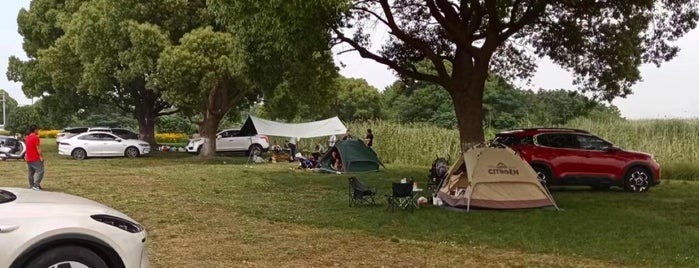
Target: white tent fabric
x=327 y=127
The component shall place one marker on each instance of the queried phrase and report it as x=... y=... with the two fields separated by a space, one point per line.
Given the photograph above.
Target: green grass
x=223 y=212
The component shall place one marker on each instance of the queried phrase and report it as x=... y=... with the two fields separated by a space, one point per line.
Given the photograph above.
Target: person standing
x=292 y=146
x=35 y=161
x=369 y=140
x=331 y=141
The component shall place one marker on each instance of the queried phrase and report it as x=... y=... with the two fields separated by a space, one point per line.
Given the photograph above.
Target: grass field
x=224 y=213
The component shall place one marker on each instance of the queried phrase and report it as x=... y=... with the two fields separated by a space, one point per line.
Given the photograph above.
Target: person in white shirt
x=331 y=141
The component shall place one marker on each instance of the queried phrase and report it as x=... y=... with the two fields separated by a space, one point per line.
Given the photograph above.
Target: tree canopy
x=602 y=42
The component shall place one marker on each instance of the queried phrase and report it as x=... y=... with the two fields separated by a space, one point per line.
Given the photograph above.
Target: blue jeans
x=35 y=168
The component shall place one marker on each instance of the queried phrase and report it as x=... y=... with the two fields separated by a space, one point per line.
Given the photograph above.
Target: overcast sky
x=671 y=91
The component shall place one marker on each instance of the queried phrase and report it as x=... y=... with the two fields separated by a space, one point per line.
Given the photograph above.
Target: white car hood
x=29 y=202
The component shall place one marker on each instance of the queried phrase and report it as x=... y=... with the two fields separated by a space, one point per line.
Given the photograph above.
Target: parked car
x=50 y=229
x=69 y=132
x=125 y=133
x=92 y=144
x=576 y=157
x=229 y=140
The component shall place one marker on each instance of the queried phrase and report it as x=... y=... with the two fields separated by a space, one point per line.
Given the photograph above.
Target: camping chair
x=402 y=197
x=360 y=193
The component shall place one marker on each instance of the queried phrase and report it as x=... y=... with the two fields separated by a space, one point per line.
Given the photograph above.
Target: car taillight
x=118 y=223
x=60 y=135
x=265 y=138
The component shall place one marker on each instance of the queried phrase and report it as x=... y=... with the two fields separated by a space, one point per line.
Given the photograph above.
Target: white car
x=58 y=230
x=99 y=144
x=229 y=141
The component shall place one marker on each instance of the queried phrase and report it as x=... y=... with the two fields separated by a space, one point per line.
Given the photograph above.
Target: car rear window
x=6 y=197
x=75 y=130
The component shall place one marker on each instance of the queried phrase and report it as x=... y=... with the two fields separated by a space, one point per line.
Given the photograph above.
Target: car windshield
x=6 y=196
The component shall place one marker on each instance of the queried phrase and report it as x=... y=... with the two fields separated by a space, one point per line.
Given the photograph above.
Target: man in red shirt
x=35 y=162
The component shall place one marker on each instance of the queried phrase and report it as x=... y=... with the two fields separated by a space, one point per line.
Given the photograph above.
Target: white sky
x=671 y=91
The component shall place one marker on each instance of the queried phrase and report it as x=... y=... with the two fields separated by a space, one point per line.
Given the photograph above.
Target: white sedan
x=57 y=230
x=98 y=144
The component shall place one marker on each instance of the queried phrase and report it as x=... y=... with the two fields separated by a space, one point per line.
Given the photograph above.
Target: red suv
x=576 y=157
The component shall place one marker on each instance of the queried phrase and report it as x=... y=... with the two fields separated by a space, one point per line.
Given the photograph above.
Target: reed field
x=673 y=142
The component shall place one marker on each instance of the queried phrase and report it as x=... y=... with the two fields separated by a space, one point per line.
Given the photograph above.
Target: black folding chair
x=360 y=193
x=402 y=197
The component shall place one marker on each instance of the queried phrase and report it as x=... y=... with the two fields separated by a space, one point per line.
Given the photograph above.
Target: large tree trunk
x=207 y=130
x=146 y=124
x=467 y=94
x=217 y=105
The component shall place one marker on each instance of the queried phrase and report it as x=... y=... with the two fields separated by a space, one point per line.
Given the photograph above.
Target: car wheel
x=199 y=149
x=131 y=152
x=637 y=180
x=78 y=154
x=67 y=257
x=255 y=149
x=543 y=174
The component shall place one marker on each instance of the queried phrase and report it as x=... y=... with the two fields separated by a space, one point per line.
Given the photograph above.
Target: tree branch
x=529 y=16
x=450 y=23
x=419 y=44
x=365 y=53
x=167 y=113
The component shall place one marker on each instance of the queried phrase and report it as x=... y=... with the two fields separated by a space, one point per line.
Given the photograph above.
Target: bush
x=51 y=133
x=4 y=132
x=171 y=137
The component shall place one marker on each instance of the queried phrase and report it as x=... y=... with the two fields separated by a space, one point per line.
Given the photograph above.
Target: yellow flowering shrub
x=49 y=133
x=171 y=137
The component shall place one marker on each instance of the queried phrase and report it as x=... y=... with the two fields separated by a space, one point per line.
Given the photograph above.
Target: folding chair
x=402 y=197
x=360 y=193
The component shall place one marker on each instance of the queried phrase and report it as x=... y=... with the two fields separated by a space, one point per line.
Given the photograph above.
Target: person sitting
x=337 y=161
x=276 y=148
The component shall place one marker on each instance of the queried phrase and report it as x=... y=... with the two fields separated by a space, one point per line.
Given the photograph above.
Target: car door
x=92 y=144
x=223 y=142
x=239 y=143
x=599 y=161
x=112 y=145
x=560 y=151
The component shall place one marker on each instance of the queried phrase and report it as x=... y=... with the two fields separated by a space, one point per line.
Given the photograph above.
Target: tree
x=106 y=50
x=10 y=105
x=40 y=28
x=205 y=73
x=355 y=99
x=287 y=48
x=602 y=42
x=22 y=117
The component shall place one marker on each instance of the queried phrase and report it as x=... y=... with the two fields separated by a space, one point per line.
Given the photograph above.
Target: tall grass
x=674 y=142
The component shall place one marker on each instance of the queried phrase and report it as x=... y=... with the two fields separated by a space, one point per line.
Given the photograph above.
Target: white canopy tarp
x=327 y=127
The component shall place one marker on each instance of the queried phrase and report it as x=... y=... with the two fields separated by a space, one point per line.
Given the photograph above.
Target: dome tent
x=355 y=156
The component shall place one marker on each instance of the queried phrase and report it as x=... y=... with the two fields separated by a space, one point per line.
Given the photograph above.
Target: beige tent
x=495 y=178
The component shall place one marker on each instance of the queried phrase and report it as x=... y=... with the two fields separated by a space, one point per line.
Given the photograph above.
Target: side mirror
x=118 y=140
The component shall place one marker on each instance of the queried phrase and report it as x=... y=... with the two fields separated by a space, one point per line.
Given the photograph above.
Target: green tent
x=355 y=156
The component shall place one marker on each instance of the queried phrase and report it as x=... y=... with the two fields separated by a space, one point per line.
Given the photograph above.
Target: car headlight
x=118 y=222
x=144 y=144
